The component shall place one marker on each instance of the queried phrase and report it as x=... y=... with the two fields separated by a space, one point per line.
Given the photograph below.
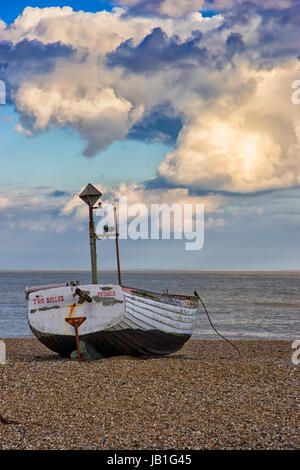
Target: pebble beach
x=203 y=397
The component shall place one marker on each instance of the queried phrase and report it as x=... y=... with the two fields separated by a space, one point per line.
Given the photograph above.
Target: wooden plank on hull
x=162 y=313
x=138 y=342
x=126 y=324
x=156 y=324
x=140 y=324
x=163 y=305
x=158 y=319
x=150 y=294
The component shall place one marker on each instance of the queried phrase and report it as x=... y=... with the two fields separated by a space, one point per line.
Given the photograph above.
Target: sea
x=242 y=305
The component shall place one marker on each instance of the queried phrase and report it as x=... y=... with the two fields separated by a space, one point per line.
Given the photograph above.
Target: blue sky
x=46 y=159
x=197 y=111
x=11 y=10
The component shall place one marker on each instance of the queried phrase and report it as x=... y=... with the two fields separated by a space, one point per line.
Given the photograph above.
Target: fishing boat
x=108 y=320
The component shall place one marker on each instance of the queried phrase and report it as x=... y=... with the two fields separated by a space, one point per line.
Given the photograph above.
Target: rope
x=211 y=323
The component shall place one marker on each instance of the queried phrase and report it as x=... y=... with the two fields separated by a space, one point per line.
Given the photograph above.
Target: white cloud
x=242 y=147
x=98 y=101
x=138 y=194
x=102 y=116
x=33 y=209
x=241 y=131
x=23 y=130
x=215 y=223
x=99 y=32
x=5 y=202
x=227 y=4
x=178 y=9
x=166 y=7
x=37 y=210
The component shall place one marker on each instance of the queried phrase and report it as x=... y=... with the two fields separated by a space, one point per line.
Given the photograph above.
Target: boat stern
x=50 y=309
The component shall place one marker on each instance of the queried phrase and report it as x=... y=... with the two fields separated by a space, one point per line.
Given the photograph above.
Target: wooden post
x=93 y=248
x=117 y=245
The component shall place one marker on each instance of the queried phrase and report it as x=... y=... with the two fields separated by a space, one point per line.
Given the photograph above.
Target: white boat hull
x=119 y=320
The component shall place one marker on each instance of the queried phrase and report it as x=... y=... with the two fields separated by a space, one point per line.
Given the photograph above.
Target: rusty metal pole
x=117 y=245
x=76 y=322
x=90 y=196
x=93 y=247
x=77 y=341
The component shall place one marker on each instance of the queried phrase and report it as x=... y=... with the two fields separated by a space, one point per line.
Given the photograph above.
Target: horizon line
x=152 y=270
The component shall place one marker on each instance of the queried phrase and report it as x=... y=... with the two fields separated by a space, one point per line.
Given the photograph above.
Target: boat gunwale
x=176 y=296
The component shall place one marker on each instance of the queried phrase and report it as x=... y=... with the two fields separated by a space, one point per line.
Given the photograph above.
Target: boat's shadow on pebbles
x=56 y=358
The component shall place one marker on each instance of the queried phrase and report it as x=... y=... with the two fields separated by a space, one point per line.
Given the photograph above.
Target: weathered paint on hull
x=133 y=342
x=118 y=320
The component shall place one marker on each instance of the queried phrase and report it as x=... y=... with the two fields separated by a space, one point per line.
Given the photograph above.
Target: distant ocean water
x=242 y=305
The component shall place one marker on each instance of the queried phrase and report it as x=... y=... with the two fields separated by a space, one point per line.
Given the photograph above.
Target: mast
x=90 y=196
x=93 y=249
x=117 y=245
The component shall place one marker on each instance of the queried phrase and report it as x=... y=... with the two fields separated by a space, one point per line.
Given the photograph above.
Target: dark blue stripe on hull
x=132 y=342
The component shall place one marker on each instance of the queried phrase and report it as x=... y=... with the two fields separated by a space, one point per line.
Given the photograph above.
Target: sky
x=165 y=102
